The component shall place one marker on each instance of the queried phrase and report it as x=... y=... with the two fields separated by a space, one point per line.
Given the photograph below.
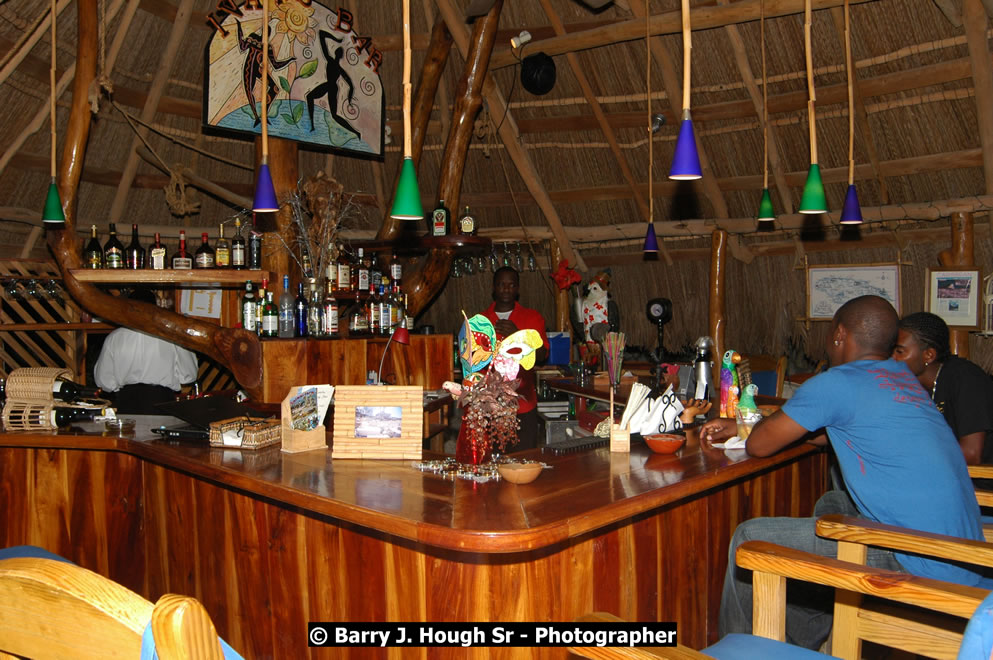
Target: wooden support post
x=284 y=166
x=718 y=273
x=562 y=323
x=961 y=254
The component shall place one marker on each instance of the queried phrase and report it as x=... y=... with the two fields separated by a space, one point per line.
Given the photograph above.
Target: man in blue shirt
x=900 y=461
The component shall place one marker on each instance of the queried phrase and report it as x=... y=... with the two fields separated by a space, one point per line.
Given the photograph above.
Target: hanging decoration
x=813 y=200
x=325 y=91
x=851 y=212
x=686 y=160
x=766 y=213
x=53 y=215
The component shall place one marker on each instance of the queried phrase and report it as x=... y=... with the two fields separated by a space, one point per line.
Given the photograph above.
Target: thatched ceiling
x=919 y=138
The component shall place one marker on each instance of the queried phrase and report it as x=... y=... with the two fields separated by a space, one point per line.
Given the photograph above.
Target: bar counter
x=269 y=541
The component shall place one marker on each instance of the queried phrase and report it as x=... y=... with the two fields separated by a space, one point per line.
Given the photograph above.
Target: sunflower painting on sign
x=323 y=86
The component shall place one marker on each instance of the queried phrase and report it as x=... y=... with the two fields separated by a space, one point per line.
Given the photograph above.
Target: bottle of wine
x=270 y=317
x=61 y=417
x=222 y=253
x=329 y=328
x=134 y=254
x=68 y=391
x=113 y=250
x=237 y=247
x=467 y=223
x=300 y=312
x=93 y=253
x=439 y=220
x=286 y=303
x=249 y=311
x=204 y=257
x=157 y=254
x=182 y=260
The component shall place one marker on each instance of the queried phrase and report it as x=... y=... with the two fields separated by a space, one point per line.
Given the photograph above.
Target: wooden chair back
x=53 y=609
x=761 y=363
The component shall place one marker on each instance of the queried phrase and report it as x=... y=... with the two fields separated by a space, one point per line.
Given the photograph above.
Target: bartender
x=508 y=316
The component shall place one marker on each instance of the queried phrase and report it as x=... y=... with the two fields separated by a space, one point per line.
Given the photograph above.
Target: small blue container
x=560 y=347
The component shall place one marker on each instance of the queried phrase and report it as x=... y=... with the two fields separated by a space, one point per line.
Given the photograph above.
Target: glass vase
x=470 y=448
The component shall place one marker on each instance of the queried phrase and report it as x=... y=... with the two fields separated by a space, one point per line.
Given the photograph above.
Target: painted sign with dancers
x=323 y=82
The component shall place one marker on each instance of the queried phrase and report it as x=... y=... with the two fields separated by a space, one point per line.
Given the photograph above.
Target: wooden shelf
x=188 y=278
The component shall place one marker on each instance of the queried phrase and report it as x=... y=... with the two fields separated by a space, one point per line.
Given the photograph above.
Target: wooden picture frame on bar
x=378 y=421
x=831 y=286
x=955 y=294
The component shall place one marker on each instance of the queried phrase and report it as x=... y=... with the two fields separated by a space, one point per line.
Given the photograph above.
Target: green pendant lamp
x=407 y=200
x=265 y=193
x=851 y=212
x=52 y=216
x=813 y=200
x=766 y=213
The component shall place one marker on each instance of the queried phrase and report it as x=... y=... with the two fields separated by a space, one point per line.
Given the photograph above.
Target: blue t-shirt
x=900 y=460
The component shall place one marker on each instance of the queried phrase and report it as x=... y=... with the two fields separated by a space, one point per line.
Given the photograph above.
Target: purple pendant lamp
x=52 y=215
x=851 y=212
x=265 y=193
x=686 y=161
x=651 y=242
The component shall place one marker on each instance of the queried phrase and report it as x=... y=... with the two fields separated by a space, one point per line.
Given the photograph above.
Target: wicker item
x=34 y=384
x=27 y=416
x=256 y=432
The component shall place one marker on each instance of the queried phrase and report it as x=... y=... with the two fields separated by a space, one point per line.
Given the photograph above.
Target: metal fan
x=659 y=312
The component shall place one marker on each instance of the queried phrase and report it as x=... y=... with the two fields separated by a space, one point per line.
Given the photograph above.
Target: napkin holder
x=295 y=440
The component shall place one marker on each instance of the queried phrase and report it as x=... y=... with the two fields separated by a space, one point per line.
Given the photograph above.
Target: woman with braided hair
x=961 y=390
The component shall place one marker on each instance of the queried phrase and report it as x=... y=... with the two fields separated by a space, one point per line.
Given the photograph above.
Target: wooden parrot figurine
x=747 y=401
x=729 y=383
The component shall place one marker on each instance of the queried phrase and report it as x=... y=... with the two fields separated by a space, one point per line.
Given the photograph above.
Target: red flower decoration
x=564 y=276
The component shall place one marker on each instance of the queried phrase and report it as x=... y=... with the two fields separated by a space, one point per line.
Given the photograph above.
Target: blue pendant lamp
x=851 y=212
x=766 y=214
x=407 y=200
x=813 y=200
x=651 y=242
x=52 y=215
x=686 y=161
x=265 y=193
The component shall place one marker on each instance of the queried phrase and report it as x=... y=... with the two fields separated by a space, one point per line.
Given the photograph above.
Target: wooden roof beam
x=673 y=89
x=951 y=10
x=601 y=118
x=511 y=138
x=976 y=20
x=703 y=18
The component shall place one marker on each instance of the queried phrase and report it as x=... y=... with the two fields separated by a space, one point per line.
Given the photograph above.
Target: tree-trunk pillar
x=284 y=166
x=718 y=268
x=961 y=254
x=562 y=323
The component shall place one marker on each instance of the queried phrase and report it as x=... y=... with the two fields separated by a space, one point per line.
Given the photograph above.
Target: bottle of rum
x=157 y=254
x=467 y=223
x=113 y=250
x=222 y=253
x=237 y=247
x=204 y=257
x=93 y=253
x=182 y=259
x=134 y=254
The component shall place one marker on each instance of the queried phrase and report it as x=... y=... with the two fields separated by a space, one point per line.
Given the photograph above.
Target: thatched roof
x=924 y=95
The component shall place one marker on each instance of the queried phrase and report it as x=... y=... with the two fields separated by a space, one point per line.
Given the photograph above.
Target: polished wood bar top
x=579 y=492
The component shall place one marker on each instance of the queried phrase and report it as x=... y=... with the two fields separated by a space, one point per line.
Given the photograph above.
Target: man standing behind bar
x=509 y=316
x=897 y=455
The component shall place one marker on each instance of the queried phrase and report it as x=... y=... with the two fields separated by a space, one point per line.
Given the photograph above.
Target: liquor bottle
x=270 y=316
x=285 y=323
x=62 y=417
x=254 y=250
x=396 y=306
x=331 y=272
x=385 y=311
x=344 y=271
x=396 y=270
x=249 y=309
x=440 y=220
x=222 y=253
x=358 y=323
x=300 y=312
x=315 y=310
x=467 y=223
x=329 y=327
x=182 y=260
x=308 y=270
x=157 y=254
x=372 y=306
x=375 y=273
x=237 y=247
x=93 y=253
x=204 y=257
x=113 y=250
x=134 y=254
x=361 y=281
x=68 y=391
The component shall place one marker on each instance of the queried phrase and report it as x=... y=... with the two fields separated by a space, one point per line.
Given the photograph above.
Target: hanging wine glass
x=532 y=262
x=518 y=260
x=481 y=263
x=31 y=289
x=468 y=265
x=506 y=256
x=494 y=260
x=10 y=288
x=54 y=291
x=456 y=269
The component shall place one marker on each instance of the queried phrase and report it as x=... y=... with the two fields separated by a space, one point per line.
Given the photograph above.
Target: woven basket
x=34 y=385
x=27 y=416
x=256 y=432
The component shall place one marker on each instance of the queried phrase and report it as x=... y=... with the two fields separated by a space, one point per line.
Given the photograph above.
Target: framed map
x=954 y=296
x=830 y=287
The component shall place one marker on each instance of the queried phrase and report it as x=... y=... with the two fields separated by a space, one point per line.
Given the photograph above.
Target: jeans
x=809 y=607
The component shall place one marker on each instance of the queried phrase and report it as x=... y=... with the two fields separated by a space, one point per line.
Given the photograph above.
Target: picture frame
x=378 y=421
x=831 y=286
x=955 y=294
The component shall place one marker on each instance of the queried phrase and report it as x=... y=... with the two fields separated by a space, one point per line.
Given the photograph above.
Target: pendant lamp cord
x=811 y=98
x=648 y=103
x=765 y=101
x=851 y=98
x=265 y=81
x=51 y=78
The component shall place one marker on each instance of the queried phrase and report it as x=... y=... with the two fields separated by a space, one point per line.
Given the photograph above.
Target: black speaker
x=538 y=73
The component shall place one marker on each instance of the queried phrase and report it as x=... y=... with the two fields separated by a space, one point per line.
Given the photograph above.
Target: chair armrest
x=984 y=497
x=902 y=539
x=947 y=597
x=981 y=471
x=677 y=652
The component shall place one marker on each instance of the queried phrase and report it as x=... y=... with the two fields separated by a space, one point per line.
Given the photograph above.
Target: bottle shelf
x=202 y=278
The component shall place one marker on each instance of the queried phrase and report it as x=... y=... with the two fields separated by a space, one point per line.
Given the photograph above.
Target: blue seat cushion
x=30 y=551
x=766 y=382
x=977 y=642
x=148 y=647
x=737 y=646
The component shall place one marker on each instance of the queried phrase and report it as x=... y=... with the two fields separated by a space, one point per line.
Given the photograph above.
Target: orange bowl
x=520 y=473
x=665 y=443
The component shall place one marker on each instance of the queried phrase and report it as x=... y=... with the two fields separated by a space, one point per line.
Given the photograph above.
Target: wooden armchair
x=54 y=609
x=767 y=371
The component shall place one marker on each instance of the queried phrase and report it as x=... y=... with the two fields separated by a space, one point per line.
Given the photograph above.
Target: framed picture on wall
x=830 y=287
x=954 y=295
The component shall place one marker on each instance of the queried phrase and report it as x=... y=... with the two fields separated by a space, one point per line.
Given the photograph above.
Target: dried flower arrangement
x=490 y=407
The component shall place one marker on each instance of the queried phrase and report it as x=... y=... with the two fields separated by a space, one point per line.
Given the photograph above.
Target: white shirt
x=130 y=357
